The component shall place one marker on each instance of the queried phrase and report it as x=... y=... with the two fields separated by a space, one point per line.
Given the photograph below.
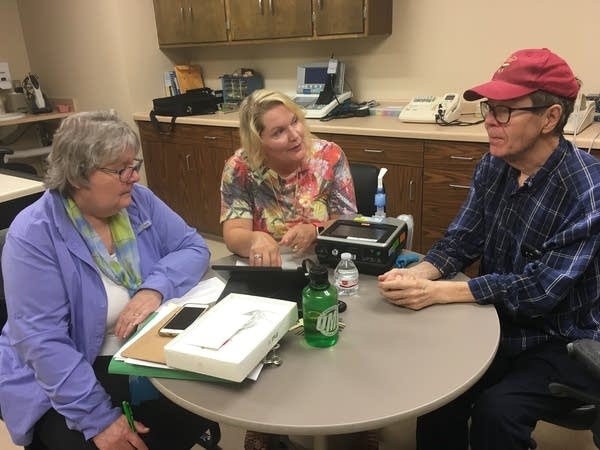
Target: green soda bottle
x=320 y=309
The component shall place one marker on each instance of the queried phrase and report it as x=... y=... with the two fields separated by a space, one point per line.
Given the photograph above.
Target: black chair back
x=586 y=416
x=15 y=166
x=3 y=315
x=365 y=187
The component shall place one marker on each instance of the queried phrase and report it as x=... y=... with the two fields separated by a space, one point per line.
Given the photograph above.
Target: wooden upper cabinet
x=344 y=18
x=339 y=17
x=190 y=21
x=205 y=22
x=269 y=19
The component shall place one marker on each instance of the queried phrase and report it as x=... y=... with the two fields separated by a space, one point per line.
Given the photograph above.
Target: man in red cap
x=532 y=218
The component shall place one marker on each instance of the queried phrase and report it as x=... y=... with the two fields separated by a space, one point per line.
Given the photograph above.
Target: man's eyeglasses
x=502 y=113
x=126 y=172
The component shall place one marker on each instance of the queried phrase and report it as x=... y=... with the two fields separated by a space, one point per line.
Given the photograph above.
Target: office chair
x=365 y=186
x=586 y=416
x=17 y=167
x=3 y=315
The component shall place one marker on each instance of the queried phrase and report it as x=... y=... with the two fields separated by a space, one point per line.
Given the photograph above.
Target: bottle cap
x=346 y=255
x=318 y=275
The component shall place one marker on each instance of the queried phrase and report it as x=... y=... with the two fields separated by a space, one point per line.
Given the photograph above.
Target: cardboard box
x=232 y=337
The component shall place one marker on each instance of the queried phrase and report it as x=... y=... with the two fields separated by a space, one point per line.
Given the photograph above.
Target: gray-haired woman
x=83 y=266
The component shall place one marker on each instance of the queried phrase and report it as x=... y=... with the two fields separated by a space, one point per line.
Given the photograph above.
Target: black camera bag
x=193 y=102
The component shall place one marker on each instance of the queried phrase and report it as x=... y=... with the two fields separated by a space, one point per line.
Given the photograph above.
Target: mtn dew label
x=328 y=321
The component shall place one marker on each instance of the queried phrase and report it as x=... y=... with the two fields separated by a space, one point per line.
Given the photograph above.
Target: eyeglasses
x=502 y=113
x=126 y=172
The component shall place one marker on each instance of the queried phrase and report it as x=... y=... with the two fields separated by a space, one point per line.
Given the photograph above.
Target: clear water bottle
x=320 y=309
x=346 y=276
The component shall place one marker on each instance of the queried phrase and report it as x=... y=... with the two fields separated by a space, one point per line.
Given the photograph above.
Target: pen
x=129 y=415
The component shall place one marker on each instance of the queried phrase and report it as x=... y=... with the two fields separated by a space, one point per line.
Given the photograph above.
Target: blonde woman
x=283 y=185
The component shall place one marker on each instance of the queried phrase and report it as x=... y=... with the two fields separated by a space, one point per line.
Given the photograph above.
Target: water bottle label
x=346 y=283
x=328 y=321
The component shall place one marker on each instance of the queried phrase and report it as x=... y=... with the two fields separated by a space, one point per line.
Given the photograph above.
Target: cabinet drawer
x=219 y=137
x=443 y=195
x=453 y=156
x=383 y=150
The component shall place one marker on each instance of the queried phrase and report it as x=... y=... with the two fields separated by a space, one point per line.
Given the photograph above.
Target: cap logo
x=506 y=63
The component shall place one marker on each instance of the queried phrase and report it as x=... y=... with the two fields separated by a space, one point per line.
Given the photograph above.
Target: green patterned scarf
x=125 y=269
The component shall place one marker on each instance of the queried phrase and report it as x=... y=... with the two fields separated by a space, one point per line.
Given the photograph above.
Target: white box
x=262 y=322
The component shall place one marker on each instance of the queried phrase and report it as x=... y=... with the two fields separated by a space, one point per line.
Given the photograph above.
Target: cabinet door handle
x=210 y=138
x=320 y=3
x=181 y=12
x=191 y=11
x=462 y=158
x=187 y=161
x=372 y=150
x=411 y=183
x=459 y=186
x=271 y=7
x=260 y=9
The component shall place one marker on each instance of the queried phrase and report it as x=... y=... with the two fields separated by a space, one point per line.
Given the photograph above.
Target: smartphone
x=183 y=319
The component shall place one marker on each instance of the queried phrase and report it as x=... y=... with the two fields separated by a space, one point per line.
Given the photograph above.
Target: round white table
x=389 y=364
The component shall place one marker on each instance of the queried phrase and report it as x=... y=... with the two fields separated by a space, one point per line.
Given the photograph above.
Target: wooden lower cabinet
x=427 y=179
x=184 y=169
x=448 y=169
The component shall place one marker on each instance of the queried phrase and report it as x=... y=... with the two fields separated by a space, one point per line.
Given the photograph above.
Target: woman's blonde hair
x=252 y=110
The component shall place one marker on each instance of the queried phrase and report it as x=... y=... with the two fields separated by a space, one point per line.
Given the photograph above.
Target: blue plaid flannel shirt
x=538 y=246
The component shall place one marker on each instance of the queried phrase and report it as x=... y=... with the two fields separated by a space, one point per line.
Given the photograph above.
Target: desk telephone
x=582 y=115
x=432 y=109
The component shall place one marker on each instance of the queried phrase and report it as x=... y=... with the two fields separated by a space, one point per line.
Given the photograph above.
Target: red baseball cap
x=527 y=71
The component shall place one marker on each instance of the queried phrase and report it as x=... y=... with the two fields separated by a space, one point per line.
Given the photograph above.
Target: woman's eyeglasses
x=126 y=172
x=502 y=113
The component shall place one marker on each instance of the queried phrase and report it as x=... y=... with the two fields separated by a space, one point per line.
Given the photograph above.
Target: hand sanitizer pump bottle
x=380 y=194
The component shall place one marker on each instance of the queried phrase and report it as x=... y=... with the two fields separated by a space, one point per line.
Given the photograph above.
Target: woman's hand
x=299 y=237
x=264 y=250
x=118 y=436
x=140 y=306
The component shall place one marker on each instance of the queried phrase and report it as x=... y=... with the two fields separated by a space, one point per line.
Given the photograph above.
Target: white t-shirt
x=118 y=296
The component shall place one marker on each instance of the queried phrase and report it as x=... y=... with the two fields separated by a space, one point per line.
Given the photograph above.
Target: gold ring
x=257 y=256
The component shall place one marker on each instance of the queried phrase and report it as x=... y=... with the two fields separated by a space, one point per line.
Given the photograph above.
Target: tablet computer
x=265 y=281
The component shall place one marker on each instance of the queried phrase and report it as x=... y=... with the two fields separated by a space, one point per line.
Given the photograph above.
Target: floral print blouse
x=321 y=188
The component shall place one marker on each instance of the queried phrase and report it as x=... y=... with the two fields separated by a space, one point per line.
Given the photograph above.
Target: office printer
x=375 y=242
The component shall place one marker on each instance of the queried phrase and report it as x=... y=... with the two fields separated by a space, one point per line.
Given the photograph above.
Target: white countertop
x=384 y=126
x=30 y=118
x=12 y=187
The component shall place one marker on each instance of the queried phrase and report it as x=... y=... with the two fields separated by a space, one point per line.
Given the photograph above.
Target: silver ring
x=257 y=256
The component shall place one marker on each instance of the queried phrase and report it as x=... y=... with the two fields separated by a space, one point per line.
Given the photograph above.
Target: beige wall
x=12 y=44
x=105 y=53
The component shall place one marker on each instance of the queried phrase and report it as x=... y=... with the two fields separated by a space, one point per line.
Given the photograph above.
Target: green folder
x=123 y=368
